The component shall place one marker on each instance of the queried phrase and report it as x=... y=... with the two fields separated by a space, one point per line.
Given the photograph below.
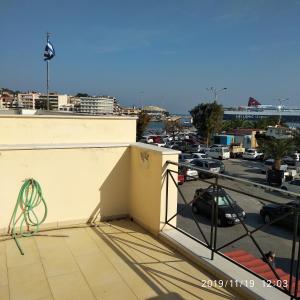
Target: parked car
x=292 y=159
x=292 y=186
x=252 y=154
x=181 y=179
x=269 y=163
x=221 y=165
x=188 y=173
x=185 y=157
x=206 y=164
x=228 y=209
x=271 y=211
x=219 y=152
x=200 y=155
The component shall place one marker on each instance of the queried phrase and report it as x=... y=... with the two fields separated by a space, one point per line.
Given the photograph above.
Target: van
x=219 y=152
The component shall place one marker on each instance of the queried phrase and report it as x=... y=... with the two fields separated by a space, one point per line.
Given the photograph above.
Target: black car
x=227 y=207
x=270 y=212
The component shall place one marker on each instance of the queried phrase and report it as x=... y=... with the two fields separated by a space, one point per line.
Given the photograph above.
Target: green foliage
x=207 y=118
x=275 y=148
x=82 y=95
x=297 y=139
x=262 y=123
x=173 y=126
x=141 y=124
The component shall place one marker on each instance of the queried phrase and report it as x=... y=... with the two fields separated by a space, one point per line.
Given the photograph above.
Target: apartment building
x=101 y=105
x=55 y=101
x=28 y=100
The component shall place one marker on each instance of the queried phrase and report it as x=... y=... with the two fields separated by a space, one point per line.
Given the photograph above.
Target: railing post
x=214 y=232
x=298 y=264
x=167 y=196
x=212 y=222
x=296 y=221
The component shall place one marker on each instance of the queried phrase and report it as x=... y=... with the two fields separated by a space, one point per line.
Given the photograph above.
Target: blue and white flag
x=49 y=51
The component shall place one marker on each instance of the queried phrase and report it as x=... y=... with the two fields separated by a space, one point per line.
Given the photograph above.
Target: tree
x=229 y=125
x=82 y=95
x=173 y=126
x=141 y=124
x=275 y=148
x=207 y=118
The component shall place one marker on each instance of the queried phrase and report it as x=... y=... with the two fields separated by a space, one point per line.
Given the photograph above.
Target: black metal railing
x=216 y=182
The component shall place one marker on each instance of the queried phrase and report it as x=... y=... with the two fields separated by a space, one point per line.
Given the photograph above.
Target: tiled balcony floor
x=116 y=260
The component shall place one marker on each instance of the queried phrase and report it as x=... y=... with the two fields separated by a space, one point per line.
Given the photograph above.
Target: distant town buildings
x=6 y=99
x=80 y=104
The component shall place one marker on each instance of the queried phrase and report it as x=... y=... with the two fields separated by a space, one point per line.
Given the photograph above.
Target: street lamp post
x=215 y=92
x=280 y=100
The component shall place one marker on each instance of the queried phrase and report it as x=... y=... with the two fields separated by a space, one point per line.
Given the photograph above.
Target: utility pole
x=280 y=100
x=215 y=92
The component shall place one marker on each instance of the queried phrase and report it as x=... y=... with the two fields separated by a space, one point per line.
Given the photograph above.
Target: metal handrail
x=214 y=227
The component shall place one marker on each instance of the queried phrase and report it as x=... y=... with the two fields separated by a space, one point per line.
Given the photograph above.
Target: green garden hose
x=30 y=197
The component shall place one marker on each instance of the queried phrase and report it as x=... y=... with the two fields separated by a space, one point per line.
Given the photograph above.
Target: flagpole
x=48 y=106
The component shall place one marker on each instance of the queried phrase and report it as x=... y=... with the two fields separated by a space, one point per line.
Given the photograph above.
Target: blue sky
x=162 y=52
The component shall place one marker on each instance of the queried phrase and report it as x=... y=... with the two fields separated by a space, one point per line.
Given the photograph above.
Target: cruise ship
x=255 y=110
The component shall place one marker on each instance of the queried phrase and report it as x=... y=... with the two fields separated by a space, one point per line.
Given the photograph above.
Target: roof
x=154 y=108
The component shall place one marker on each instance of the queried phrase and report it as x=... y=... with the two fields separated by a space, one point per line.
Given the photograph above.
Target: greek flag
x=49 y=51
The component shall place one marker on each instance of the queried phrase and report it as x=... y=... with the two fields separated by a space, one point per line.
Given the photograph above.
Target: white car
x=219 y=152
x=292 y=186
x=252 y=154
x=200 y=155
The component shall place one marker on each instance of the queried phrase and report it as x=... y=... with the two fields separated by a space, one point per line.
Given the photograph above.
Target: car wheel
x=267 y=219
x=195 y=209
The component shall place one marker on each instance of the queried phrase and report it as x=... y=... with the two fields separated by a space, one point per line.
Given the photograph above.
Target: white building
x=55 y=101
x=28 y=100
x=102 y=105
x=279 y=132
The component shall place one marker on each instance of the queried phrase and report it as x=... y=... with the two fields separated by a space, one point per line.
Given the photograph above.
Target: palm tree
x=276 y=148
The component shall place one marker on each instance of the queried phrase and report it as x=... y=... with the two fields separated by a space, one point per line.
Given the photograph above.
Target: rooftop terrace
x=116 y=260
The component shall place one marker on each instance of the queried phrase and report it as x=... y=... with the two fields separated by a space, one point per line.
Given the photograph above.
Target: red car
x=180 y=179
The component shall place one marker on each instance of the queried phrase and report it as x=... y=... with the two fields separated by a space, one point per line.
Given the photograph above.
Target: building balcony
x=106 y=235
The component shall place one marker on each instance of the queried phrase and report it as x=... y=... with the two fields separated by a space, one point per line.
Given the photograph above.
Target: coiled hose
x=29 y=198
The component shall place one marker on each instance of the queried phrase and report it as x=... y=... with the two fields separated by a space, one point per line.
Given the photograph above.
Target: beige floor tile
x=70 y=287
x=2 y=248
x=4 y=292
x=14 y=257
x=3 y=270
x=114 y=290
x=28 y=282
x=59 y=265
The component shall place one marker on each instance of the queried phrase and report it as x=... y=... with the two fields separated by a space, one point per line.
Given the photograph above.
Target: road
x=274 y=237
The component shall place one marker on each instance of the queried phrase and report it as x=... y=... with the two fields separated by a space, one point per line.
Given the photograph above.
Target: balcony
x=107 y=233
x=115 y=260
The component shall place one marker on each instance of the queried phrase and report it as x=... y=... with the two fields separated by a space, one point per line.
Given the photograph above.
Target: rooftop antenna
x=280 y=106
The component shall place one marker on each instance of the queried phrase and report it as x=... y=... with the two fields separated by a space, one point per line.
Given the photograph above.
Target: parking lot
x=275 y=237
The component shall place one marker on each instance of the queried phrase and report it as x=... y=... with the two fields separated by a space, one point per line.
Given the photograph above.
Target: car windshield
x=225 y=200
x=225 y=150
x=250 y=151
